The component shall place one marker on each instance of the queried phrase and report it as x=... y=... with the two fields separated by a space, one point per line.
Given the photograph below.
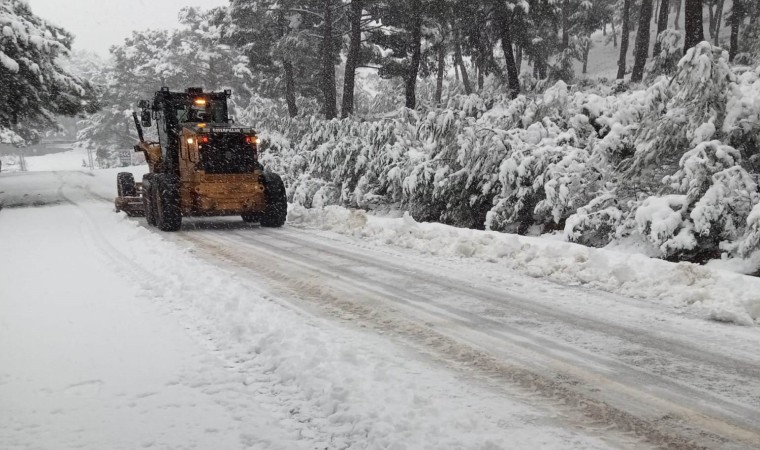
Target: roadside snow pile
x=720 y=295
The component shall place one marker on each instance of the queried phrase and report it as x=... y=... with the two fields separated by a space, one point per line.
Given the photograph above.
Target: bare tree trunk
x=657 y=7
x=711 y=20
x=718 y=21
x=506 y=46
x=290 y=88
x=439 y=75
x=352 y=59
x=695 y=32
x=287 y=67
x=736 y=22
x=416 y=46
x=519 y=58
x=330 y=108
x=542 y=69
x=586 y=50
x=614 y=35
x=642 y=41
x=460 y=62
x=677 y=23
x=565 y=25
x=624 y=40
x=662 y=24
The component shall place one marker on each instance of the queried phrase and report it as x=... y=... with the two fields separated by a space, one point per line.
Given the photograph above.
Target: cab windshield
x=206 y=111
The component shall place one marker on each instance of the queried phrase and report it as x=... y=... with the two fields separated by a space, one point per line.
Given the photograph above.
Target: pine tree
x=588 y=17
x=401 y=37
x=276 y=35
x=34 y=87
x=538 y=34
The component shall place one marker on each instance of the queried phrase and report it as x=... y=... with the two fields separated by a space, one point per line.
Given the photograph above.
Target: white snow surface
x=73 y=159
x=717 y=294
x=113 y=337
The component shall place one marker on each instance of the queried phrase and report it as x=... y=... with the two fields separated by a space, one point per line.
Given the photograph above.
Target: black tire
x=125 y=185
x=252 y=217
x=168 y=207
x=149 y=199
x=276 y=212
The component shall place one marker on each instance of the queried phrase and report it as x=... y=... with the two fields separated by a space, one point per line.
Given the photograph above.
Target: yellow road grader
x=202 y=165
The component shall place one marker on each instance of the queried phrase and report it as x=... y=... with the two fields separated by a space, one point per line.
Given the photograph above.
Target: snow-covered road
x=227 y=335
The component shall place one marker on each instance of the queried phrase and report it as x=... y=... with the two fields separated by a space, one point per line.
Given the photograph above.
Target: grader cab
x=202 y=165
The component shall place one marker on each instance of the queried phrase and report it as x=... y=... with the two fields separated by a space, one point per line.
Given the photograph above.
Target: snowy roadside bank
x=717 y=294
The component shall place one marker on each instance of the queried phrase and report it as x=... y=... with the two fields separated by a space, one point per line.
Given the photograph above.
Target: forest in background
x=476 y=114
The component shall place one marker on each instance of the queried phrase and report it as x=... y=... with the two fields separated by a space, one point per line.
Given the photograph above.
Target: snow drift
x=718 y=294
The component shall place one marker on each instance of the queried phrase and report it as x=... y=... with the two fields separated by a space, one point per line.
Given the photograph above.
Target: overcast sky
x=99 y=24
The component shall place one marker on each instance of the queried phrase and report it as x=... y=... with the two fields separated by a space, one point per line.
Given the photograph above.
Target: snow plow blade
x=133 y=206
x=130 y=198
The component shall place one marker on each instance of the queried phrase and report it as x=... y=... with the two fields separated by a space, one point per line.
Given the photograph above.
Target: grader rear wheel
x=168 y=210
x=149 y=198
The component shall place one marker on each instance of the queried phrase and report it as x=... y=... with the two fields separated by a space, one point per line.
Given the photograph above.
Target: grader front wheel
x=276 y=212
x=125 y=185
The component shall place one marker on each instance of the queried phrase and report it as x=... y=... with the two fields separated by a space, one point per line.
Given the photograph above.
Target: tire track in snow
x=302 y=283
x=514 y=303
x=225 y=393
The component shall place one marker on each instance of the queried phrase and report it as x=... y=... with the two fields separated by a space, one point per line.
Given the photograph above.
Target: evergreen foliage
x=34 y=86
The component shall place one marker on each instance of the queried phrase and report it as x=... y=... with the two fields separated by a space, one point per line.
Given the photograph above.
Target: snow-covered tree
x=714 y=197
x=687 y=110
x=595 y=224
x=669 y=52
x=276 y=35
x=34 y=86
